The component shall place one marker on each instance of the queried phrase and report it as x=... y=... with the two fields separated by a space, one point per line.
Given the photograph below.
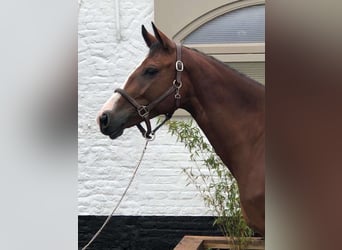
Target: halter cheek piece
x=144 y=110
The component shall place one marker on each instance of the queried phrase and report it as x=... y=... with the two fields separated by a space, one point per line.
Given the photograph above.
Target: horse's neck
x=229 y=108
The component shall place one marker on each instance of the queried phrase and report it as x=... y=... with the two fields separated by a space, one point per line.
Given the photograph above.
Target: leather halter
x=144 y=110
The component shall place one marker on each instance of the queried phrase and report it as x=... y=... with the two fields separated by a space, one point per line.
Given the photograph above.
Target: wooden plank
x=190 y=242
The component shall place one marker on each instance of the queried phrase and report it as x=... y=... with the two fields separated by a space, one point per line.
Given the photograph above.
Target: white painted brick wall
x=105 y=165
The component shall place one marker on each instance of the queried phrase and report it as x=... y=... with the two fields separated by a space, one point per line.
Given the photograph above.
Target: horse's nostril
x=104 y=120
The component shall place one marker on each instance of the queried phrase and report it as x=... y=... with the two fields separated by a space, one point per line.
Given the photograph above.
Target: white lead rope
x=122 y=196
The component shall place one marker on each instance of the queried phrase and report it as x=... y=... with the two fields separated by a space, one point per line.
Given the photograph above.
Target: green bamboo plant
x=213 y=180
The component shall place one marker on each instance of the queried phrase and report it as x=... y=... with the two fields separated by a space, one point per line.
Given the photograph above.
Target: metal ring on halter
x=179 y=66
x=151 y=138
x=177 y=84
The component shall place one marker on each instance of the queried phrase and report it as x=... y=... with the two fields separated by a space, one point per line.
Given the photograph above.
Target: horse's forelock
x=155 y=47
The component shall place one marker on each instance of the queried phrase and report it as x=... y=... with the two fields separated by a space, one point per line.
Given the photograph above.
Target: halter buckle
x=179 y=66
x=143 y=111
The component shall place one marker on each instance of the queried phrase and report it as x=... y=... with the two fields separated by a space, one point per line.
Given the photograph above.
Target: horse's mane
x=157 y=47
x=224 y=65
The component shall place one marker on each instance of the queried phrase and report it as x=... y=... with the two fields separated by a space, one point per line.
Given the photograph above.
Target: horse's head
x=152 y=89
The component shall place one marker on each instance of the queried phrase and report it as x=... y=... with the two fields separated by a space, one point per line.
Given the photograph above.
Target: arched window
x=244 y=25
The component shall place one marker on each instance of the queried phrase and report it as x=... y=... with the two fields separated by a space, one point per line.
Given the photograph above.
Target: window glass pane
x=246 y=25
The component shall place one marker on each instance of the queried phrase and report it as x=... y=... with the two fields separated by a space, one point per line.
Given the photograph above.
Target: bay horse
x=228 y=106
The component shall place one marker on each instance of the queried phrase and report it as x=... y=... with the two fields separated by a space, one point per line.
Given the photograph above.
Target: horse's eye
x=150 y=71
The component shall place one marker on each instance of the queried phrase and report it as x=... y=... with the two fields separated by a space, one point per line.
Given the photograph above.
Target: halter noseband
x=144 y=110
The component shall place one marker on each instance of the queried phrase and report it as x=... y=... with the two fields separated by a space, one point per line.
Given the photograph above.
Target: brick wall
x=142 y=232
x=105 y=165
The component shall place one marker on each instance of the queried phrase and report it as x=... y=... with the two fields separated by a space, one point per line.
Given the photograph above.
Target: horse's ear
x=162 y=38
x=149 y=39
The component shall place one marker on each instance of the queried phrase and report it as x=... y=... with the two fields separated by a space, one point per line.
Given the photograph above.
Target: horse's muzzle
x=110 y=125
x=104 y=120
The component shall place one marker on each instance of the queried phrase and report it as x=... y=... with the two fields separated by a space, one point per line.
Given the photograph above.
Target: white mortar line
x=117 y=18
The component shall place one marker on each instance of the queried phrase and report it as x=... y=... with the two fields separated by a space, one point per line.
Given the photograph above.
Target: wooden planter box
x=214 y=242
